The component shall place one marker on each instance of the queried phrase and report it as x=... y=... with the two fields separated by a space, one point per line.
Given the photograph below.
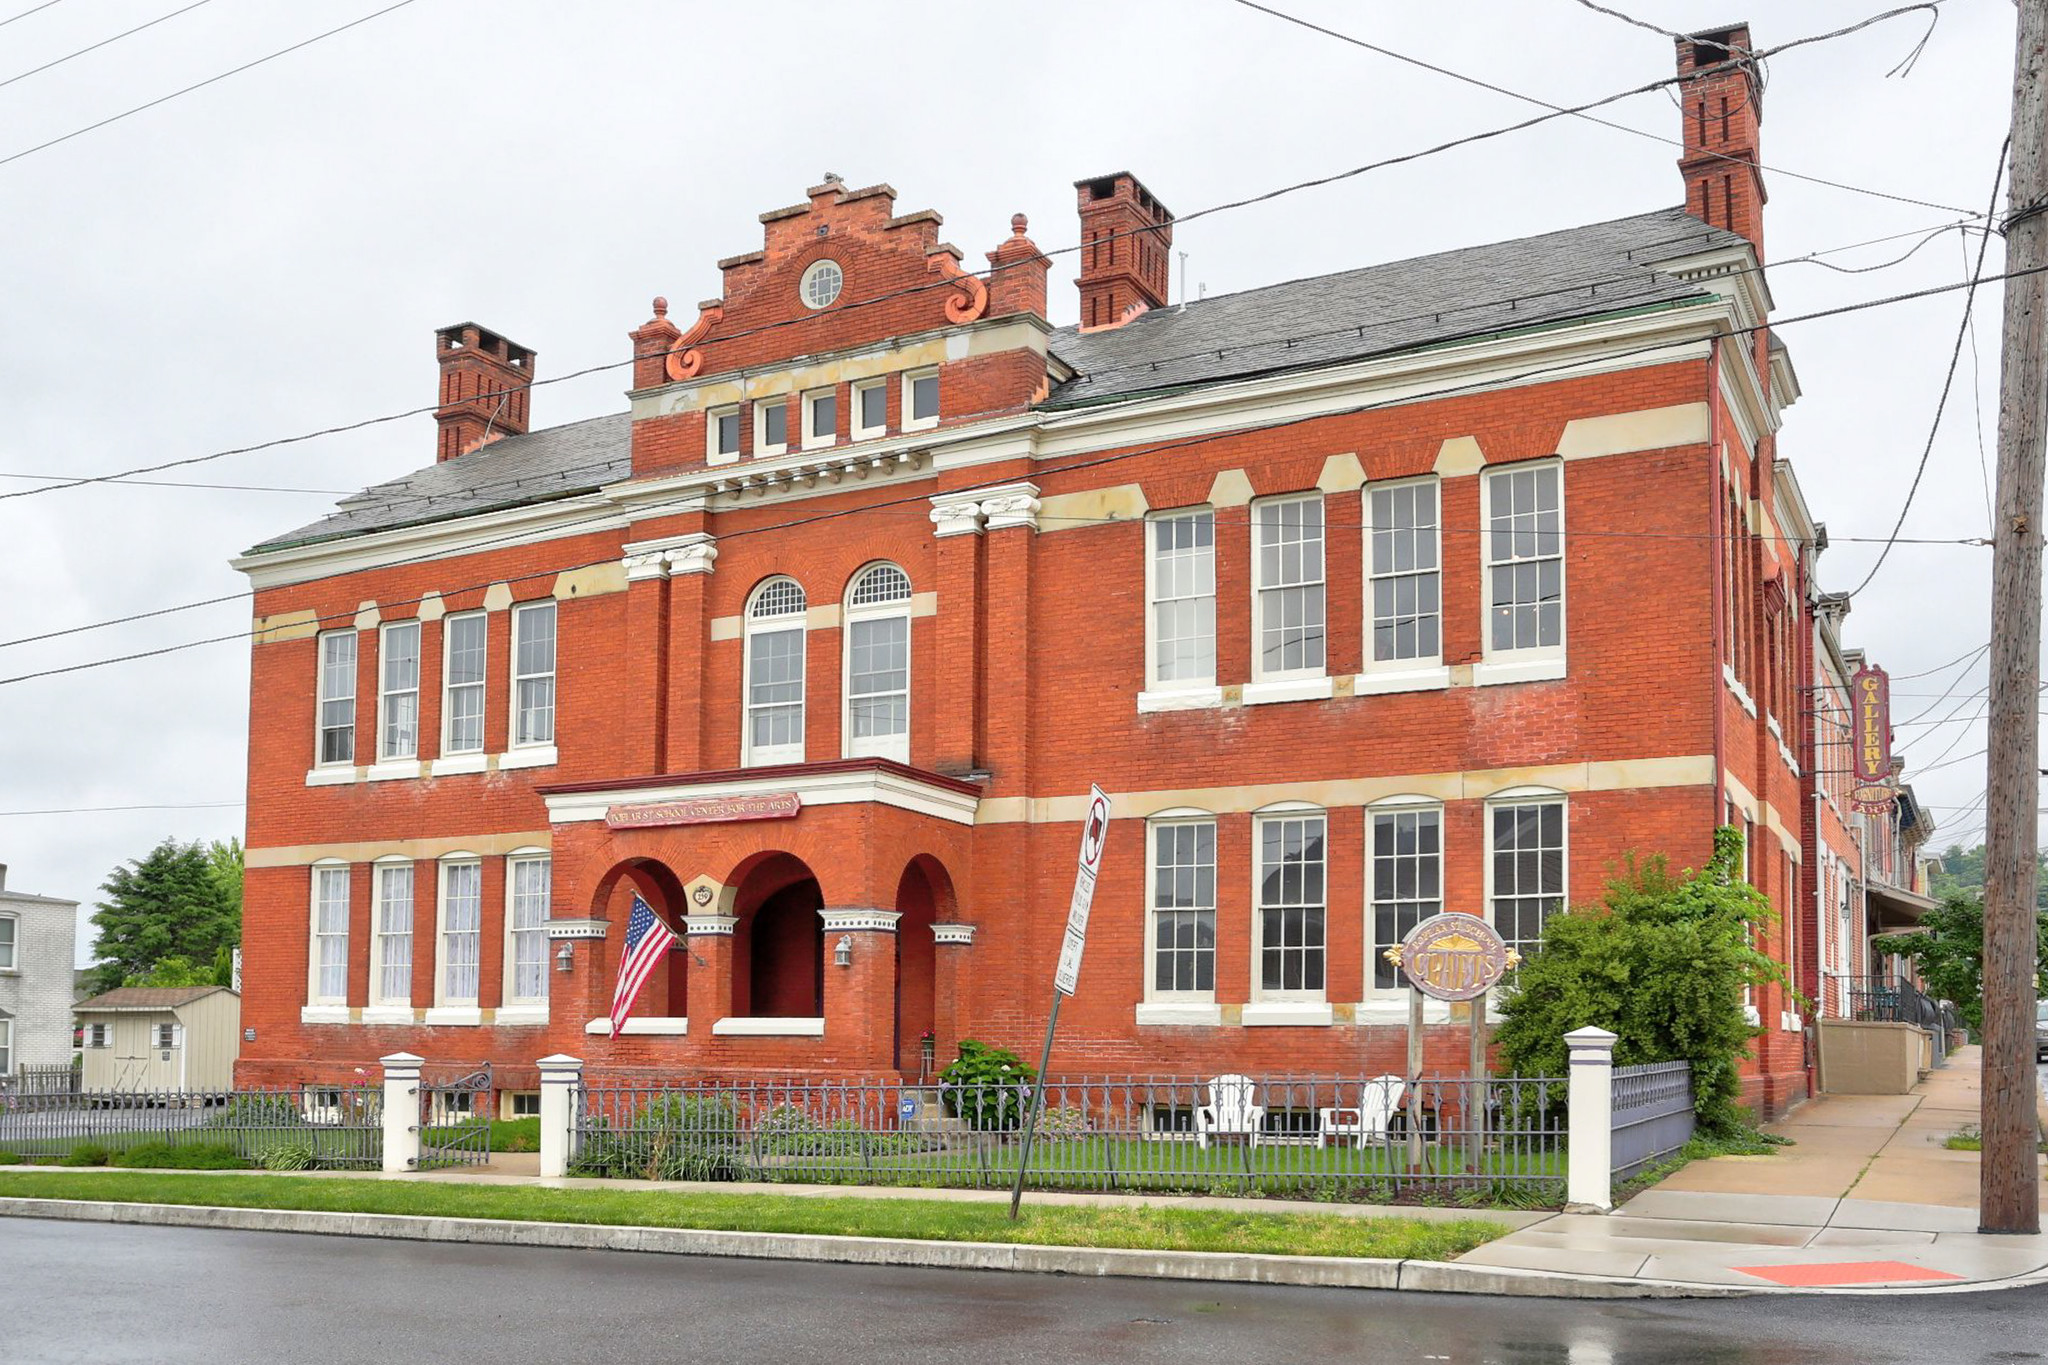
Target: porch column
x=956 y=522
x=690 y=558
x=949 y=980
x=860 y=986
x=708 y=976
x=641 y=707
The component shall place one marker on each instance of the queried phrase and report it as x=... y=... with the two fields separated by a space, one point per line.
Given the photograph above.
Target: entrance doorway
x=779 y=942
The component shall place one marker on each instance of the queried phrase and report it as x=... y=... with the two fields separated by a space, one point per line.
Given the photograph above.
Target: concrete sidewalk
x=1868 y=1197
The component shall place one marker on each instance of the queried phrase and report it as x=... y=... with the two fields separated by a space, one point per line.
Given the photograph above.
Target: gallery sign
x=704 y=810
x=1870 y=692
x=1453 y=956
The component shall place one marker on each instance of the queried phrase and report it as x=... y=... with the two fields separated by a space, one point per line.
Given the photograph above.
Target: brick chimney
x=486 y=382
x=1722 y=111
x=1126 y=248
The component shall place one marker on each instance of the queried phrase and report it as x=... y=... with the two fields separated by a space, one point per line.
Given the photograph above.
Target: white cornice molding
x=449 y=539
x=876 y=785
x=852 y=920
x=713 y=925
x=955 y=933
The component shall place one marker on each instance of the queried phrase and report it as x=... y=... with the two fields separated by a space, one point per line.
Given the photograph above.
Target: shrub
x=1063 y=1122
x=1662 y=963
x=674 y=1137
x=12 y=1158
x=987 y=1086
x=85 y=1154
x=259 y=1111
x=192 y=1156
x=289 y=1156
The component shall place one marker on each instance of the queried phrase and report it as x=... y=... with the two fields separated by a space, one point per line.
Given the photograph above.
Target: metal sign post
x=1094 y=834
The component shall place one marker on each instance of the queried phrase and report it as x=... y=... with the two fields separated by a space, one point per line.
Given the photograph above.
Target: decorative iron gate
x=455 y=1120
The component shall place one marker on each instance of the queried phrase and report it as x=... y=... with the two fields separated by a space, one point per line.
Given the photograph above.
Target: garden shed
x=160 y=1038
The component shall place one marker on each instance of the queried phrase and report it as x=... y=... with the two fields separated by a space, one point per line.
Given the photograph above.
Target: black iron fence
x=1653 y=1114
x=1374 y=1138
x=296 y=1127
x=1896 y=1000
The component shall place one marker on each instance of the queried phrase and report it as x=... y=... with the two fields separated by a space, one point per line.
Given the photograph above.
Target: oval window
x=821 y=283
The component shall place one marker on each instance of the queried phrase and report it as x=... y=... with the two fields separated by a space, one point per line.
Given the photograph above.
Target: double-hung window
x=10 y=951
x=775 y=673
x=1404 y=881
x=821 y=418
x=391 y=964
x=1287 y=583
x=6 y=1046
x=1524 y=561
x=1527 y=876
x=920 y=400
x=878 y=664
x=330 y=936
x=870 y=408
x=462 y=909
x=337 y=723
x=1291 y=908
x=533 y=673
x=398 y=694
x=1403 y=575
x=526 y=930
x=771 y=426
x=466 y=640
x=1184 y=909
x=1182 y=580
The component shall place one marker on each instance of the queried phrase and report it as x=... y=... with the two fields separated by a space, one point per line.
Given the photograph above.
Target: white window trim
x=1395 y=805
x=712 y=454
x=6 y=1045
x=448 y=690
x=1538 y=662
x=510 y=1001
x=320 y=699
x=1258 y=995
x=1526 y=796
x=314 y=875
x=830 y=438
x=895 y=747
x=857 y=431
x=13 y=962
x=1153 y=995
x=1406 y=674
x=441 y=963
x=520 y=610
x=910 y=378
x=1260 y=674
x=1155 y=686
x=378 y=999
x=386 y=693
x=761 y=407
x=771 y=755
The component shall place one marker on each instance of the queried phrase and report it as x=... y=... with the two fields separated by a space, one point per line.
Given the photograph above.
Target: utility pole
x=2009 y=1193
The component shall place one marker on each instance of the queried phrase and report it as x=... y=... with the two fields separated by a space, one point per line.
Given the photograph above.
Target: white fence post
x=1589 y=1185
x=401 y=1112
x=559 y=1077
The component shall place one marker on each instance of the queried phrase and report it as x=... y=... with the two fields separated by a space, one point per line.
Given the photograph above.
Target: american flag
x=647 y=940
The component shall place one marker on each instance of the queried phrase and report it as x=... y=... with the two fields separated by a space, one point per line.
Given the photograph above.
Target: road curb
x=1327 y=1272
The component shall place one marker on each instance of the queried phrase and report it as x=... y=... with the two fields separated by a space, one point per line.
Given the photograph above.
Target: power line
x=99 y=810
x=103 y=43
x=201 y=85
x=1943 y=668
x=36 y=9
x=187 y=483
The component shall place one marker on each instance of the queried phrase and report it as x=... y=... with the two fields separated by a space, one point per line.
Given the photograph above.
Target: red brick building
x=1441 y=584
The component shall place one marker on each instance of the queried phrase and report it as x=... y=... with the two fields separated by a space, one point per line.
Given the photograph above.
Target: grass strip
x=1148 y=1228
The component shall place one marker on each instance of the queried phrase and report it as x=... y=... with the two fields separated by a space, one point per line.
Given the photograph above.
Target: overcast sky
x=270 y=255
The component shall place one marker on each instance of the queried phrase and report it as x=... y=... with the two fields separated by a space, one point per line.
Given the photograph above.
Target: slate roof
x=1572 y=274
x=146 y=998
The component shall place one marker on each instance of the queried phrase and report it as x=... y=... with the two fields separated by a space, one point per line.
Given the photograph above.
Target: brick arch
x=924 y=896
x=667 y=991
x=778 y=959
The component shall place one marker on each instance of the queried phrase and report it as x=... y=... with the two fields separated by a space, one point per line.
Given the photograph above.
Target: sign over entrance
x=1094 y=835
x=704 y=810
x=1453 y=957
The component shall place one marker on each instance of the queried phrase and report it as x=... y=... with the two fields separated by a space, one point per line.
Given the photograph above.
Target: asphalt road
x=99 y=1292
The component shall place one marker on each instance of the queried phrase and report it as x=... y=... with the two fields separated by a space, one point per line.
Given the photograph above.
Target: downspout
x=1717 y=553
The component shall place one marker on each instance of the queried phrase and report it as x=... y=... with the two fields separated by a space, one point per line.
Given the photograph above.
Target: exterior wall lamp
x=842 y=951
x=565 y=957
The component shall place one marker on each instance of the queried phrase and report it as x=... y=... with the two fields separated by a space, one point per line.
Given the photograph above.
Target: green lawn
x=1148 y=1228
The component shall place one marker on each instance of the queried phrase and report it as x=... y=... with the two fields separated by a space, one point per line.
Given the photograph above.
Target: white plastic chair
x=1378 y=1099
x=1232 y=1111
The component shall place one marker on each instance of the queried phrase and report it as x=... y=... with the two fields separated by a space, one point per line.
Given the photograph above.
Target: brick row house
x=1435 y=585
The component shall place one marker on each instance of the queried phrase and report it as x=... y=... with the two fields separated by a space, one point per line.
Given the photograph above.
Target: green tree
x=1948 y=952
x=175 y=970
x=171 y=903
x=1661 y=962
x=1961 y=871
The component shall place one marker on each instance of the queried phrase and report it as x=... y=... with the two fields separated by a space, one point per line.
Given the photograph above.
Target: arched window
x=878 y=664
x=775 y=674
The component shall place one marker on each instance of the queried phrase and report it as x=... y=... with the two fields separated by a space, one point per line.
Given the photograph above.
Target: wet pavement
x=100 y=1292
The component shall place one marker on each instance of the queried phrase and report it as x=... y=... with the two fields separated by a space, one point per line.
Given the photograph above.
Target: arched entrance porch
x=924 y=895
x=666 y=994
x=778 y=969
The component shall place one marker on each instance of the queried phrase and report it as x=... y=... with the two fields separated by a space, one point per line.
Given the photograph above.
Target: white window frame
x=895 y=747
x=910 y=382
x=1368 y=662
x=521 y=611
x=1375 y=947
x=1153 y=992
x=812 y=440
x=444 y=960
x=762 y=407
x=6 y=1046
x=449 y=626
x=1536 y=655
x=712 y=453
x=1153 y=681
x=859 y=432
x=1260 y=673
x=1260 y=819
x=1528 y=796
x=99 y=1035
x=321 y=699
x=766 y=755
x=380 y=872
x=526 y=857
x=10 y=951
x=163 y=1036
x=387 y=694
x=321 y=872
